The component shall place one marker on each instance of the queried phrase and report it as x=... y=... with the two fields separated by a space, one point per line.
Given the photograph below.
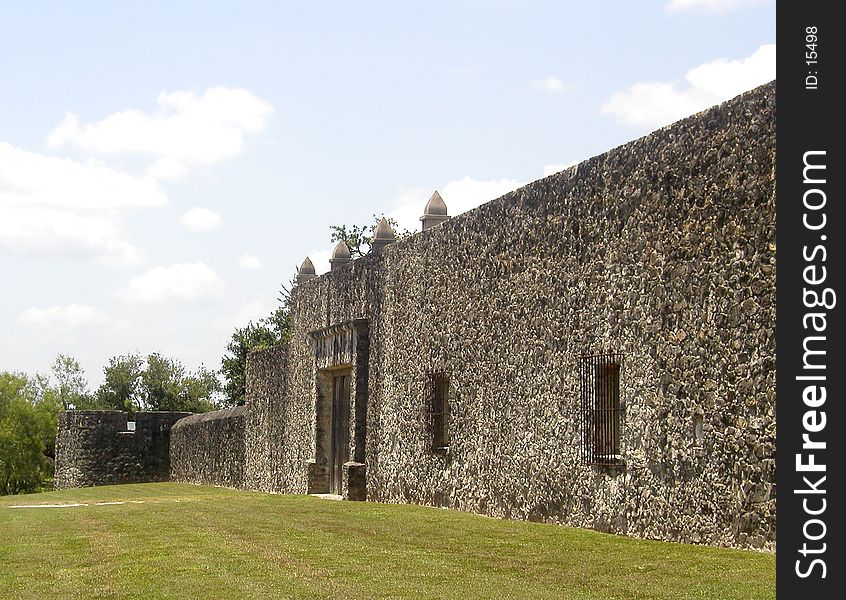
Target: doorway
x=339 y=450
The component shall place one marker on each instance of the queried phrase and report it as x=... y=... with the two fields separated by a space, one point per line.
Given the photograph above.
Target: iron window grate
x=601 y=415
x=439 y=411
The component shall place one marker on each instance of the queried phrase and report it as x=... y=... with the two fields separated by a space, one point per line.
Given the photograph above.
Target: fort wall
x=209 y=448
x=661 y=251
x=97 y=448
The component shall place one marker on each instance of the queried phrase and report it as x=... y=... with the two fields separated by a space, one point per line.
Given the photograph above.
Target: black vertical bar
x=583 y=420
x=617 y=414
x=582 y=375
x=809 y=97
x=613 y=413
x=609 y=404
x=604 y=374
x=597 y=424
x=436 y=433
x=582 y=407
x=447 y=411
x=597 y=404
x=592 y=408
x=586 y=434
x=605 y=402
x=601 y=407
x=619 y=404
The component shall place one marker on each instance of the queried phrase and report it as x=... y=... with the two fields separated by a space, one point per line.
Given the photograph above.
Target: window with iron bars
x=601 y=409
x=439 y=411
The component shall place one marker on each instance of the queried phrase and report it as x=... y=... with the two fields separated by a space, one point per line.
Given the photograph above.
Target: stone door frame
x=341 y=349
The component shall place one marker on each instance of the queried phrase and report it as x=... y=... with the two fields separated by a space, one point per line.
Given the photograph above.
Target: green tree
x=166 y=386
x=356 y=237
x=269 y=331
x=161 y=383
x=233 y=366
x=121 y=387
x=200 y=391
x=28 y=411
x=72 y=385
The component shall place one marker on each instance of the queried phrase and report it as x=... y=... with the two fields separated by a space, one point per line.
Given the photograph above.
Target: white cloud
x=557 y=168
x=49 y=232
x=186 y=128
x=253 y=311
x=716 y=6
x=61 y=207
x=654 y=104
x=180 y=283
x=55 y=206
x=408 y=207
x=248 y=261
x=460 y=196
x=71 y=316
x=167 y=169
x=464 y=194
x=551 y=84
x=31 y=179
x=201 y=219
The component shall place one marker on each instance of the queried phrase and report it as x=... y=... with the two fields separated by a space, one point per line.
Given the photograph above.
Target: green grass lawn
x=181 y=541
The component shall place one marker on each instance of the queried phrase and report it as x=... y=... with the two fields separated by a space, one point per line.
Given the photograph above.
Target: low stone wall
x=238 y=447
x=97 y=448
x=208 y=448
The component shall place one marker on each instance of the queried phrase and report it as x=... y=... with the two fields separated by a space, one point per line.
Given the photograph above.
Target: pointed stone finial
x=340 y=256
x=306 y=271
x=435 y=212
x=384 y=235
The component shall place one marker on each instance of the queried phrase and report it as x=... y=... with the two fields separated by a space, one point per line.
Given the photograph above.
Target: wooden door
x=340 y=430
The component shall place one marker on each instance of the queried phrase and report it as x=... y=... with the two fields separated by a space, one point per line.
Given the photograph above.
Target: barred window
x=439 y=411
x=602 y=412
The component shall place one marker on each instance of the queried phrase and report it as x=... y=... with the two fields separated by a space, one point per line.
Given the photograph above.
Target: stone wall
x=264 y=428
x=96 y=448
x=239 y=447
x=662 y=249
x=208 y=448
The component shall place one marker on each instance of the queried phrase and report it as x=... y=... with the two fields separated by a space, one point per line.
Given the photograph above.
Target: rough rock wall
x=95 y=448
x=208 y=448
x=263 y=426
x=661 y=249
x=239 y=447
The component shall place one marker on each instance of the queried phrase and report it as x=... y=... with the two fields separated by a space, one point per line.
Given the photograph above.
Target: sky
x=166 y=166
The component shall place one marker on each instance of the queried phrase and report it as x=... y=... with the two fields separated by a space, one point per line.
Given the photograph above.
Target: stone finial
x=306 y=271
x=340 y=256
x=384 y=235
x=435 y=212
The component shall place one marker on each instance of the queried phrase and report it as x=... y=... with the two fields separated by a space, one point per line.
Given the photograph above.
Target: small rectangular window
x=601 y=413
x=439 y=411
